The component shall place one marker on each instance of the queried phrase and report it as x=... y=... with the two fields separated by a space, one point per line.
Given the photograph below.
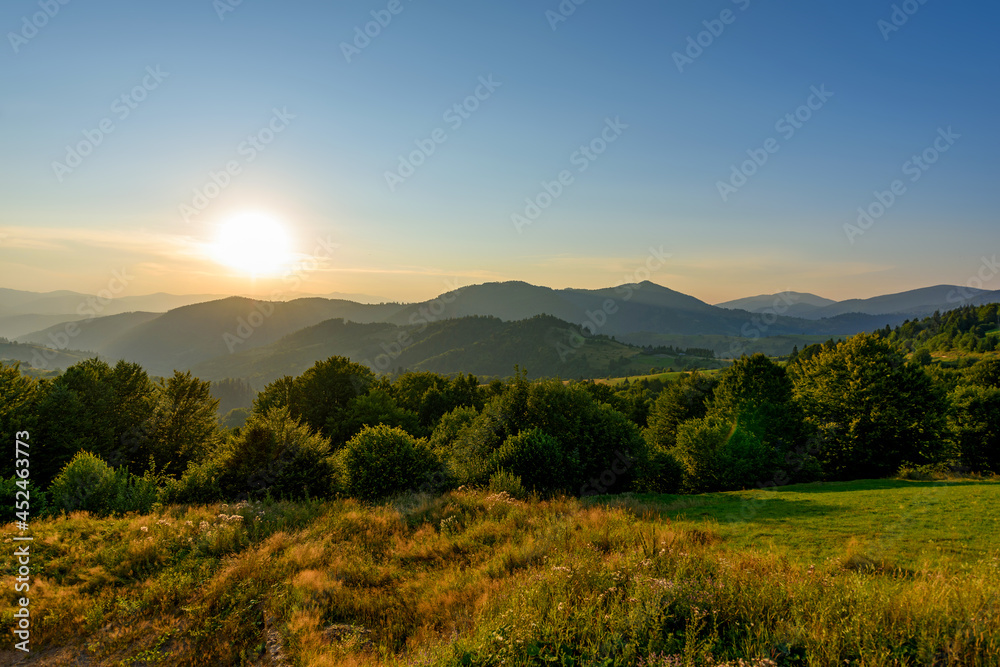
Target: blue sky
x=345 y=122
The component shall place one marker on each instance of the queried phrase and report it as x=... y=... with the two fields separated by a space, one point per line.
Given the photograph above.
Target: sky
x=403 y=148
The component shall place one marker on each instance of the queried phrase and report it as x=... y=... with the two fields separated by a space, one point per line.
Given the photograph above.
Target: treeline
x=110 y=439
x=969 y=328
x=703 y=352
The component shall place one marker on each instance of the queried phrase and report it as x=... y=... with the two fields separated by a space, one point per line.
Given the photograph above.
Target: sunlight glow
x=255 y=243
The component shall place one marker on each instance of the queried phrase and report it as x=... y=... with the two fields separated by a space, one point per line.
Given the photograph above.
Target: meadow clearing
x=873 y=573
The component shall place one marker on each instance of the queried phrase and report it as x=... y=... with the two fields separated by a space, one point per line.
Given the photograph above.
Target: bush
x=382 y=461
x=503 y=481
x=534 y=457
x=721 y=456
x=664 y=473
x=88 y=483
x=272 y=454
x=592 y=437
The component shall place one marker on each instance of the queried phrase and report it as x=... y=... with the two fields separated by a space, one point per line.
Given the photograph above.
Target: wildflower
x=143 y=528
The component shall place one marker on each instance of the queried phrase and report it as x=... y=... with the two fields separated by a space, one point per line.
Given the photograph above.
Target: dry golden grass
x=471 y=578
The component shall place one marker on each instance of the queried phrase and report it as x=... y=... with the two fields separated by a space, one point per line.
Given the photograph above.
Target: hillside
x=40 y=357
x=485 y=346
x=627 y=309
x=96 y=334
x=185 y=337
x=795 y=304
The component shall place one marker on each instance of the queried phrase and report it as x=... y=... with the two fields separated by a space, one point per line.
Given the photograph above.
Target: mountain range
x=483 y=329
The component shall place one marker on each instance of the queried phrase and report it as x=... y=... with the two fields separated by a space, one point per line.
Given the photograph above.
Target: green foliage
x=233 y=394
x=17 y=397
x=592 y=436
x=185 y=423
x=382 y=461
x=685 y=399
x=235 y=418
x=870 y=409
x=968 y=329
x=38 y=500
x=503 y=481
x=449 y=427
x=320 y=396
x=974 y=425
x=757 y=393
x=272 y=454
x=664 y=473
x=534 y=457
x=88 y=483
x=371 y=409
x=718 y=455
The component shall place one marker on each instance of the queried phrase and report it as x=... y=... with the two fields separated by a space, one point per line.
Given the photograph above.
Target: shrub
x=591 y=436
x=534 y=457
x=721 y=456
x=88 y=483
x=382 y=461
x=503 y=481
x=664 y=473
x=272 y=454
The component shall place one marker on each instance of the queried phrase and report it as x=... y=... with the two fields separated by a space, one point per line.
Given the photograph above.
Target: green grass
x=666 y=377
x=868 y=574
x=948 y=524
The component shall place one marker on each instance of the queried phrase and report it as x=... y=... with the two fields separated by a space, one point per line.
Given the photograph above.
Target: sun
x=255 y=243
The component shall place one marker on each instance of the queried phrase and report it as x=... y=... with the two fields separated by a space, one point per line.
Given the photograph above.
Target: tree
x=870 y=408
x=18 y=394
x=756 y=394
x=319 y=397
x=974 y=425
x=185 y=423
x=685 y=399
x=134 y=399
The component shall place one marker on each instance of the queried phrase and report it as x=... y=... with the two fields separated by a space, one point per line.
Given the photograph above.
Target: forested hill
x=486 y=346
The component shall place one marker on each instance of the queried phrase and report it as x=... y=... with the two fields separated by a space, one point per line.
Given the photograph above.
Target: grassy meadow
x=883 y=572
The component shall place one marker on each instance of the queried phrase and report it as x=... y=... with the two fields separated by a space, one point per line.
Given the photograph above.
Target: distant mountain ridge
x=243 y=336
x=911 y=303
